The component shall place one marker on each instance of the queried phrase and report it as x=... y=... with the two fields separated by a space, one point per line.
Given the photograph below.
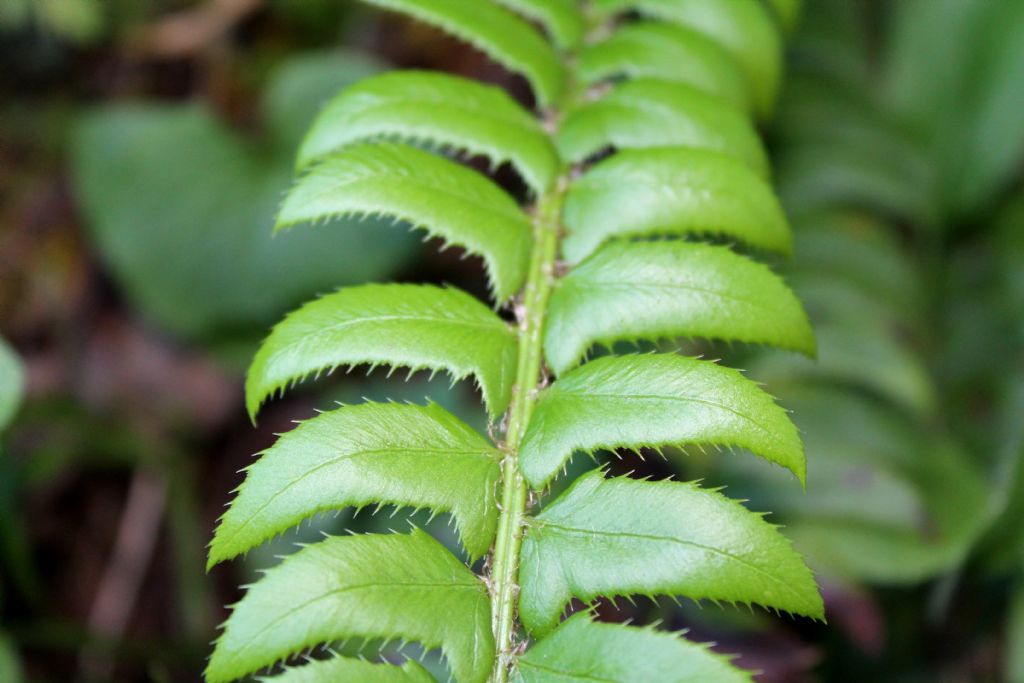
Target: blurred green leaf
x=80 y=21
x=10 y=667
x=854 y=164
x=181 y=208
x=836 y=249
x=886 y=502
x=1003 y=545
x=861 y=354
x=1014 y=646
x=1009 y=251
x=928 y=53
x=787 y=12
x=11 y=383
x=991 y=126
x=954 y=69
x=832 y=43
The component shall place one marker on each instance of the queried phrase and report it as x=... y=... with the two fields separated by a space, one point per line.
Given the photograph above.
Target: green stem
x=531 y=313
x=505 y=568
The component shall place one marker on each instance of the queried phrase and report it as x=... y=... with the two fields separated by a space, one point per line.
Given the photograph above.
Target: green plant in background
x=894 y=158
x=79 y=21
x=11 y=389
x=169 y=256
x=573 y=270
x=11 y=384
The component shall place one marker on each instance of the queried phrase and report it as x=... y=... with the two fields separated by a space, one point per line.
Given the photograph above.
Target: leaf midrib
x=653 y=397
x=476 y=108
x=345 y=589
x=335 y=327
x=649 y=105
x=562 y=672
x=615 y=284
x=367 y=174
x=496 y=326
x=670 y=539
x=337 y=459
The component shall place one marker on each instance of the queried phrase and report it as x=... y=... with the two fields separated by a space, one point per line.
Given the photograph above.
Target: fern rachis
x=544 y=400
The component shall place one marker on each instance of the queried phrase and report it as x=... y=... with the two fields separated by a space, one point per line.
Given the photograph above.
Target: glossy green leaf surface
x=651 y=113
x=666 y=52
x=561 y=18
x=622 y=537
x=744 y=27
x=372 y=586
x=649 y=290
x=413 y=326
x=671 y=192
x=424 y=190
x=443 y=111
x=651 y=401
x=584 y=650
x=341 y=669
x=11 y=383
x=420 y=456
x=497 y=32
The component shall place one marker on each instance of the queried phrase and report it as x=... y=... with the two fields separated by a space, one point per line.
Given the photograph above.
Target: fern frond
x=421 y=456
x=426 y=191
x=413 y=326
x=650 y=290
x=446 y=112
x=497 y=32
x=671 y=191
x=651 y=113
x=669 y=53
x=608 y=537
x=583 y=649
x=372 y=586
x=651 y=401
x=666 y=87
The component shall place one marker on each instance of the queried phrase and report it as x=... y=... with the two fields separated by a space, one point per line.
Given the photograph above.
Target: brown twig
x=187 y=33
x=133 y=551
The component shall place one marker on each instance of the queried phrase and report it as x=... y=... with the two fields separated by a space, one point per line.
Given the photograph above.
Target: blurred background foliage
x=143 y=150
